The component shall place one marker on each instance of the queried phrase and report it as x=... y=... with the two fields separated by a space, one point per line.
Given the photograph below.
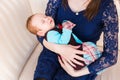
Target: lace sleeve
x=110 y=49
x=52 y=6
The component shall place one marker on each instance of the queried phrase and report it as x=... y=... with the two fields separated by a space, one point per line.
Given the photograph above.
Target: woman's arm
x=69 y=52
x=110 y=48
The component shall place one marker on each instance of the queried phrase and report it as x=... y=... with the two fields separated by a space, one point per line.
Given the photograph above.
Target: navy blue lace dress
x=105 y=21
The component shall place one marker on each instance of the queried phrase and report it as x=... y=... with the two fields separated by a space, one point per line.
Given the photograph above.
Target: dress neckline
x=76 y=13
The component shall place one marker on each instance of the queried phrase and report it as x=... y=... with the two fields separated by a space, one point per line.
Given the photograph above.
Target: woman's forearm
x=81 y=72
x=68 y=52
x=53 y=47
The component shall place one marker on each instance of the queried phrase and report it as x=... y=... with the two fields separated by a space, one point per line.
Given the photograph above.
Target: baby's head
x=39 y=24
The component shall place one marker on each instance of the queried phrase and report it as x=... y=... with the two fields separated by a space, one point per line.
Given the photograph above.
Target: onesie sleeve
x=110 y=40
x=55 y=37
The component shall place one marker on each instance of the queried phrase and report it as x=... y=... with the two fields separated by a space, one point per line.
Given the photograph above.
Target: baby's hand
x=68 y=24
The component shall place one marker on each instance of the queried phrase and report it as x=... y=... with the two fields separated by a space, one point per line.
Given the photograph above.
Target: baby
x=42 y=25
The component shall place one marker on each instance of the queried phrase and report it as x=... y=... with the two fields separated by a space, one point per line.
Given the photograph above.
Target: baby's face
x=43 y=22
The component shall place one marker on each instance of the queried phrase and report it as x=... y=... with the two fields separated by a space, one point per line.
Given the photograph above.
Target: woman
x=92 y=17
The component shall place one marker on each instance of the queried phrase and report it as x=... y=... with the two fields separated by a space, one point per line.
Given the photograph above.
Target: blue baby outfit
x=105 y=21
x=55 y=37
x=65 y=36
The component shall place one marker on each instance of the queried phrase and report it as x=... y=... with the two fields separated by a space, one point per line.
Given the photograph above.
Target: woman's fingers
x=75 y=47
x=79 y=52
x=62 y=63
x=66 y=66
x=78 y=62
x=79 y=58
x=72 y=55
x=71 y=63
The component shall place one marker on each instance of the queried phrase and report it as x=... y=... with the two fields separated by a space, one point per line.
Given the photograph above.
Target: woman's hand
x=70 y=70
x=68 y=52
x=71 y=54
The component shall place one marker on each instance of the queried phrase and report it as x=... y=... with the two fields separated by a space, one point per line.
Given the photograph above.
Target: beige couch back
x=16 y=43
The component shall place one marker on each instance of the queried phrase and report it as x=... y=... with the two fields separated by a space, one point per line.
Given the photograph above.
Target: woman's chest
x=84 y=29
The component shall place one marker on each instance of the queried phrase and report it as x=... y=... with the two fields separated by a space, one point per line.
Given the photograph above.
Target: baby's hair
x=31 y=28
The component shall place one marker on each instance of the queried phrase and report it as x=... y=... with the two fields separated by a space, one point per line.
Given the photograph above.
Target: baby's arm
x=55 y=37
x=68 y=24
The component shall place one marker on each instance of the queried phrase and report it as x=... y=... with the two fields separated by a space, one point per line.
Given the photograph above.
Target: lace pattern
x=110 y=49
x=52 y=7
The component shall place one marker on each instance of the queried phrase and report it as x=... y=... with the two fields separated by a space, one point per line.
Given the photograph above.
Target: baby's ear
x=40 y=33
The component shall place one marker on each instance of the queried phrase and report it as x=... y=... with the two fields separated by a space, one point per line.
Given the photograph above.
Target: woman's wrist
x=82 y=72
x=55 y=47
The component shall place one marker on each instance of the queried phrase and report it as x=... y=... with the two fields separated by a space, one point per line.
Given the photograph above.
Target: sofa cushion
x=28 y=71
x=38 y=5
x=16 y=43
x=112 y=73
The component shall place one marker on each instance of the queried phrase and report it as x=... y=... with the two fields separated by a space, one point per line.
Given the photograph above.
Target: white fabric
x=38 y=5
x=30 y=66
x=112 y=73
x=16 y=43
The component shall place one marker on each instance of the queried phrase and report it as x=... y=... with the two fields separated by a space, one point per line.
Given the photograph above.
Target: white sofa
x=19 y=50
